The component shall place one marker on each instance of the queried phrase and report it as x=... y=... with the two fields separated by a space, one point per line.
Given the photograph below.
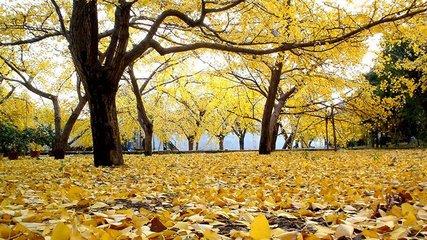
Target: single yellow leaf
x=370 y=233
x=260 y=229
x=407 y=208
x=410 y=220
x=5 y=231
x=61 y=232
x=211 y=235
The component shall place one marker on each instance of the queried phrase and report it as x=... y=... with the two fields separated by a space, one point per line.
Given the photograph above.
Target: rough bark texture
x=100 y=74
x=105 y=129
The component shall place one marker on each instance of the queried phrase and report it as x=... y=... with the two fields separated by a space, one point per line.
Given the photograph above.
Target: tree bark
x=100 y=74
x=107 y=148
x=61 y=146
x=143 y=119
x=327 y=133
x=221 y=142
x=265 y=140
x=190 y=140
x=274 y=135
x=242 y=140
x=334 y=133
x=288 y=141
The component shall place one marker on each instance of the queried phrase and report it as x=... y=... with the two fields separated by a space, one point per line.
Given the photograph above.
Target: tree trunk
x=107 y=149
x=327 y=133
x=242 y=141
x=57 y=118
x=60 y=147
x=265 y=140
x=100 y=74
x=274 y=135
x=334 y=129
x=288 y=141
x=190 y=140
x=221 y=142
x=143 y=119
x=148 y=140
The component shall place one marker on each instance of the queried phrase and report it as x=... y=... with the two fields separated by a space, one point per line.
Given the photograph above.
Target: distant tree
x=400 y=77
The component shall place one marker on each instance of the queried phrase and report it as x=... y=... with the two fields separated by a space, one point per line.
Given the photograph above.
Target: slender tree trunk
x=221 y=142
x=143 y=119
x=288 y=141
x=274 y=135
x=148 y=140
x=265 y=140
x=107 y=149
x=190 y=140
x=61 y=146
x=327 y=133
x=242 y=140
x=57 y=126
x=334 y=132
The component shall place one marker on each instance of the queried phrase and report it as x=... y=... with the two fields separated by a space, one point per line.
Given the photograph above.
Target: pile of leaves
x=287 y=195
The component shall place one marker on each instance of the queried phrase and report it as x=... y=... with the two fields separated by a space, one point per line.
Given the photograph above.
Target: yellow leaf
x=399 y=233
x=410 y=220
x=5 y=231
x=370 y=233
x=61 y=232
x=260 y=229
x=407 y=208
x=211 y=235
x=396 y=211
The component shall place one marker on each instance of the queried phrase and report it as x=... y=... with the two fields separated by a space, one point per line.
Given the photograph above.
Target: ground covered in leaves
x=288 y=195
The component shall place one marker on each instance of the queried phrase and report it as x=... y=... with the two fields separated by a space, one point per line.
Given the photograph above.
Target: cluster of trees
x=280 y=66
x=401 y=78
x=15 y=141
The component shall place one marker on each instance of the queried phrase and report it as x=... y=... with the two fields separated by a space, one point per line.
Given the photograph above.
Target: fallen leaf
x=260 y=229
x=61 y=232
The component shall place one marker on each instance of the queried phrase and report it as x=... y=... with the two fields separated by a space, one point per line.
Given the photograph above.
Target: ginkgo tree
x=105 y=37
x=235 y=110
x=32 y=75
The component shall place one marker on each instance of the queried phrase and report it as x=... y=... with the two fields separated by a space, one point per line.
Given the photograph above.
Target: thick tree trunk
x=100 y=74
x=265 y=140
x=107 y=149
x=221 y=142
